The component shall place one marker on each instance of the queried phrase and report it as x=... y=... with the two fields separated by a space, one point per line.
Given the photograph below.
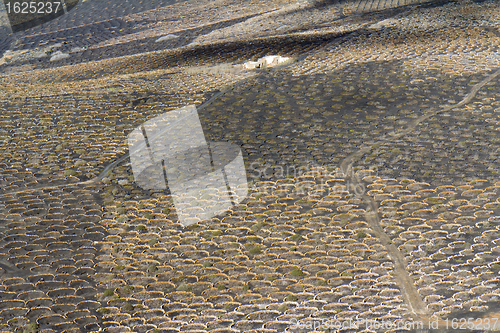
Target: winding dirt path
x=408 y=288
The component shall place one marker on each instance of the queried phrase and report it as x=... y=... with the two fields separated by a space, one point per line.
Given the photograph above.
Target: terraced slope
x=372 y=168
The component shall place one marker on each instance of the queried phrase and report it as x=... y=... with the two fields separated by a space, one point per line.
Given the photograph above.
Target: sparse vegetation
x=127 y=307
x=140 y=228
x=184 y=287
x=108 y=293
x=31 y=328
x=103 y=311
x=361 y=235
x=296 y=272
x=255 y=250
x=296 y=238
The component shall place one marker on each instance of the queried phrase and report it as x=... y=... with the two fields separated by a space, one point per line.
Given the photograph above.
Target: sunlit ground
x=371 y=161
